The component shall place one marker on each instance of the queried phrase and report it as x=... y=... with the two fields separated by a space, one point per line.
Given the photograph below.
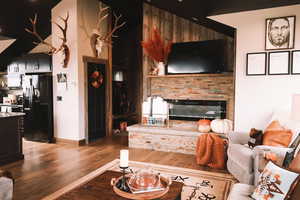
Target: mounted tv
x=205 y=57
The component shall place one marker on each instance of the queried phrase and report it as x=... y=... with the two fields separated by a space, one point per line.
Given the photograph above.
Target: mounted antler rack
x=63 y=47
x=97 y=39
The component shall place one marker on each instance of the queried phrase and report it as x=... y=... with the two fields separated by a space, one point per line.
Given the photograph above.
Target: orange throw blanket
x=210 y=151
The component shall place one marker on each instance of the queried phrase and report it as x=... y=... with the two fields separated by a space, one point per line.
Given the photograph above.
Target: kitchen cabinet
x=31 y=63
x=11 y=133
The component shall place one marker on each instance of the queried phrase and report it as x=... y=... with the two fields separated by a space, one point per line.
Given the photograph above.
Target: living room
x=101 y=105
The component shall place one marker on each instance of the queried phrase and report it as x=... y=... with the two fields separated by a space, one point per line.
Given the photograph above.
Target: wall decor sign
x=62 y=82
x=280 y=33
x=256 y=64
x=279 y=63
x=296 y=62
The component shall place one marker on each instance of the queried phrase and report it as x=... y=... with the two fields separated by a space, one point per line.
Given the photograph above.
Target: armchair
x=6 y=185
x=243 y=161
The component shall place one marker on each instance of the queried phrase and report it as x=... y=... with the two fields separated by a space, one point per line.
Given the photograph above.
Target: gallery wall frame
x=256 y=64
x=295 y=62
x=279 y=63
x=280 y=33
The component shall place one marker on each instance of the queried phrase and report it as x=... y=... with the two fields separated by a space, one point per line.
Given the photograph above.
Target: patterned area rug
x=198 y=185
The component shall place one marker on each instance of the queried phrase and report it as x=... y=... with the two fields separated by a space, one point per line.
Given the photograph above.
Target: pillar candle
x=124 y=158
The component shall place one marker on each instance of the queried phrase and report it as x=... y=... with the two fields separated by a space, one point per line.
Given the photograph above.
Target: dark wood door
x=96 y=100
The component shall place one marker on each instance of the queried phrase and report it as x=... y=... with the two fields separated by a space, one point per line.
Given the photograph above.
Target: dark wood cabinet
x=11 y=139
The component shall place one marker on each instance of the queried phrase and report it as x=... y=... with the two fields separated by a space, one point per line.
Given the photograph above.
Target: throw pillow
x=280 y=138
x=275 y=183
x=276 y=135
x=256 y=138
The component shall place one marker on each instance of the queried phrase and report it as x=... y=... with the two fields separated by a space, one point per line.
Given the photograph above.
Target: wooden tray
x=142 y=196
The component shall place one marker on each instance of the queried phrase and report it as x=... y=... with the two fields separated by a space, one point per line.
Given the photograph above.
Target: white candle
x=124 y=158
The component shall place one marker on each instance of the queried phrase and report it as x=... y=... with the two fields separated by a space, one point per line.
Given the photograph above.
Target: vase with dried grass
x=158 y=50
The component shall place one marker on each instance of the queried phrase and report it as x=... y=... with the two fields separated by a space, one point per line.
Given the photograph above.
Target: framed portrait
x=256 y=64
x=280 y=33
x=279 y=63
x=295 y=62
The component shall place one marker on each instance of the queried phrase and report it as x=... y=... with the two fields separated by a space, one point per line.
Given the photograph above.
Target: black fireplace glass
x=193 y=110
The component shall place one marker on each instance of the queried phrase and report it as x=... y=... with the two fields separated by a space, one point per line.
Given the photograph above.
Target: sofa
x=243 y=161
x=6 y=185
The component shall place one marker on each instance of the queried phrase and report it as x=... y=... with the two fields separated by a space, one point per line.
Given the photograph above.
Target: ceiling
x=14 y=16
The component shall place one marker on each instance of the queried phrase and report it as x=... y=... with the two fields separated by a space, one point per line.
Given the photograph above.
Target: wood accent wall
x=176 y=29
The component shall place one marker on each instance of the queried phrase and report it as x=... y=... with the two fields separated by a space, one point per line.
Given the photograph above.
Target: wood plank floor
x=49 y=167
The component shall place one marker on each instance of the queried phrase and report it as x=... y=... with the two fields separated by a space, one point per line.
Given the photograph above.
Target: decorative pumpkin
x=221 y=126
x=204 y=125
x=96 y=79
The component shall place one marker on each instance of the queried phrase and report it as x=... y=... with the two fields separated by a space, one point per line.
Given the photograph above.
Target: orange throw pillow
x=277 y=135
x=281 y=138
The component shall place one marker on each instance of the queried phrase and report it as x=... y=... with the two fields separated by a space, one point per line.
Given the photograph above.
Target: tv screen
x=197 y=57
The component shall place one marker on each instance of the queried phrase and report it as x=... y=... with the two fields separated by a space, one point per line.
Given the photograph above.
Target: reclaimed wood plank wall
x=176 y=29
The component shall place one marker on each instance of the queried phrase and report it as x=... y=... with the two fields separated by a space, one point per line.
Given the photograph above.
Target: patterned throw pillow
x=274 y=183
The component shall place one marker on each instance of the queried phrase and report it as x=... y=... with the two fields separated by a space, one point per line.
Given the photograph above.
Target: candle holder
x=122 y=184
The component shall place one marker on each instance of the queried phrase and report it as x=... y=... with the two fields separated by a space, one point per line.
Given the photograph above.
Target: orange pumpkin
x=204 y=125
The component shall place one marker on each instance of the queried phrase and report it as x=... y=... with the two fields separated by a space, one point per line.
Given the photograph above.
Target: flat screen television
x=197 y=57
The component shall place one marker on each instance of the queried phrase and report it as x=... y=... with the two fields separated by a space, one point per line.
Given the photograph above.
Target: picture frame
x=256 y=64
x=279 y=63
x=280 y=33
x=295 y=62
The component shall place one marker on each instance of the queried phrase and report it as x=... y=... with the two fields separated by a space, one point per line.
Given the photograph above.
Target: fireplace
x=192 y=110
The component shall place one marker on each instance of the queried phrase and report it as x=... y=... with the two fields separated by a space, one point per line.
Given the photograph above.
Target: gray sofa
x=243 y=161
x=6 y=188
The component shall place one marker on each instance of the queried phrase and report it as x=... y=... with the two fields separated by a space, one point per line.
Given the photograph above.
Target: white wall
x=66 y=112
x=69 y=114
x=256 y=97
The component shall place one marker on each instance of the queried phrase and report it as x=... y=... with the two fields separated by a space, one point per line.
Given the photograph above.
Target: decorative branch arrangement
x=156 y=48
x=97 y=39
x=63 y=47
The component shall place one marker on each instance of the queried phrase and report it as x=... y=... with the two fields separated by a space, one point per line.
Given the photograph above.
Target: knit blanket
x=210 y=151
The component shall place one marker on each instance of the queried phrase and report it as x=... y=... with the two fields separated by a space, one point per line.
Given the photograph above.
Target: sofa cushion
x=241 y=191
x=276 y=135
x=242 y=155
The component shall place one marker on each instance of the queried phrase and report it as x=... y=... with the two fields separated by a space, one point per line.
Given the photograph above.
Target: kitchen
x=26 y=104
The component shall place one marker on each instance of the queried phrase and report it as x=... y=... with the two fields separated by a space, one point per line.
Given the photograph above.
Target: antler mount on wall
x=53 y=50
x=98 y=39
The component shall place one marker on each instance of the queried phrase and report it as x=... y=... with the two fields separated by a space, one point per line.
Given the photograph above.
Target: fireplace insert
x=193 y=110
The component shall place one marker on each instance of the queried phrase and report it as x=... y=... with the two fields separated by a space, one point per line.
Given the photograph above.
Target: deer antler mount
x=62 y=48
x=98 y=39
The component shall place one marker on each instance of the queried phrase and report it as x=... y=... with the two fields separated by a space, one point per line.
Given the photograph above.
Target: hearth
x=192 y=110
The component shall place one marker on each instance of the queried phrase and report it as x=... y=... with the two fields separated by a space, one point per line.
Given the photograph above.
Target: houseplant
x=158 y=50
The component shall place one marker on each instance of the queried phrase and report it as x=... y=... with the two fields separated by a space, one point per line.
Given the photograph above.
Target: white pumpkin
x=221 y=126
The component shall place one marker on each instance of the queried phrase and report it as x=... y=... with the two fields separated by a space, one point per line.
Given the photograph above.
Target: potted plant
x=158 y=50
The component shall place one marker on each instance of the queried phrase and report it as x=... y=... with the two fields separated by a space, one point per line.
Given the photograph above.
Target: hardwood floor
x=49 y=167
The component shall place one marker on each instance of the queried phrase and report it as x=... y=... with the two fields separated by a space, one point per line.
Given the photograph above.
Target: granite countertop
x=11 y=105
x=11 y=114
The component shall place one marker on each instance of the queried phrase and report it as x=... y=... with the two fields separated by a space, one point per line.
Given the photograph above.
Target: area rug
x=198 y=185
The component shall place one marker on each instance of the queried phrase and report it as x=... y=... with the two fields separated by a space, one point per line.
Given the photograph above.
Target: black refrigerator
x=38 y=107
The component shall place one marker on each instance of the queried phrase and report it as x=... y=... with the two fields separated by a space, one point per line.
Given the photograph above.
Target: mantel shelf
x=190 y=75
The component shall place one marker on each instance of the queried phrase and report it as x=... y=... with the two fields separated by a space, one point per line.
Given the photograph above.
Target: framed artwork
x=296 y=62
x=280 y=33
x=279 y=63
x=256 y=64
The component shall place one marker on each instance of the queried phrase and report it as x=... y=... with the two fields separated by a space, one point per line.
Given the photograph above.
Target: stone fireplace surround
x=181 y=136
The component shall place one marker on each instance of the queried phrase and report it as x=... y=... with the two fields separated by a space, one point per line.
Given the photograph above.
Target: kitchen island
x=11 y=133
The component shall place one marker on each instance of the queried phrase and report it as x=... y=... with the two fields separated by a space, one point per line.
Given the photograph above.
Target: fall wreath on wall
x=96 y=79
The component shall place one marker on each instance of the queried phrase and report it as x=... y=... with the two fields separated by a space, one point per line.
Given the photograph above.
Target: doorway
x=96 y=98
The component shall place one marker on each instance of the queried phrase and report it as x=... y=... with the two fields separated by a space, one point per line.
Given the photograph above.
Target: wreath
x=96 y=79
